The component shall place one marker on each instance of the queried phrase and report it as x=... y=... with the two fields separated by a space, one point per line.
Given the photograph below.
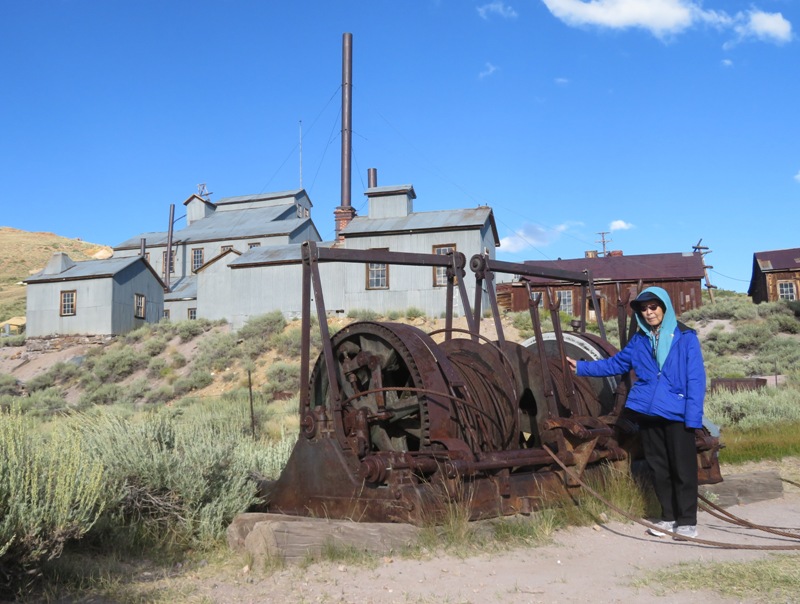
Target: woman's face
x=652 y=313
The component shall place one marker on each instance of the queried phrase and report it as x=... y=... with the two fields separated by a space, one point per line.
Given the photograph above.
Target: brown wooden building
x=776 y=276
x=680 y=274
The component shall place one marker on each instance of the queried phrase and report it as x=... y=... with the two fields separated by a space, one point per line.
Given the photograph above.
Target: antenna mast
x=699 y=249
x=603 y=240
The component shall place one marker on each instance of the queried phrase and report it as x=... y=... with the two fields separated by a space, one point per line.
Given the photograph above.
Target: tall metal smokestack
x=347 y=115
x=372 y=178
x=345 y=212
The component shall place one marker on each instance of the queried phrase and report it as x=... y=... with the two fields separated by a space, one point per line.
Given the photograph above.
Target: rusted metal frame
x=310 y=256
x=549 y=389
x=531 y=270
x=554 y=304
x=457 y=267
x=598 y=310
x=622 y=315
x=479 y=265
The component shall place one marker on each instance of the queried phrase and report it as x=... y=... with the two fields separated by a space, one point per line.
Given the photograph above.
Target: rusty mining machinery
x=396 y=423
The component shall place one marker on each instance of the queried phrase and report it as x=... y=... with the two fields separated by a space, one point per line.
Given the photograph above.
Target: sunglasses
x=651 y=306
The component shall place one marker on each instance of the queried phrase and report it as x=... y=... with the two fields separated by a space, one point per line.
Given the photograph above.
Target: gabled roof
x=248 y=223
x=440 y=220
x=778 y=260
x=650 y=267
x=91 y=269
x=232 y=253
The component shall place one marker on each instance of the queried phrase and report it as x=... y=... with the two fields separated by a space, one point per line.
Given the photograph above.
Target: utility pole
x=603 y=240
x=703 y=250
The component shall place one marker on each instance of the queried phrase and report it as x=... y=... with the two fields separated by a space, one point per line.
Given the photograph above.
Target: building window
x=192 y=314
x=197 y=258
x=165 y=314
x=139 y=306
x=226 y=248
x=566 y=300
x=69 y=303
x=171 y=262
x=786 y=290
x=378 y=275
x=440 y=272
x=254 y=244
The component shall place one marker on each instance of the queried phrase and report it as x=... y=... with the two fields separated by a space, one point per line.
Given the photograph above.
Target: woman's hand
x=573 y=364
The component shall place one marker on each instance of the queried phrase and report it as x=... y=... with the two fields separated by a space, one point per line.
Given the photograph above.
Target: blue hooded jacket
x=671 y=379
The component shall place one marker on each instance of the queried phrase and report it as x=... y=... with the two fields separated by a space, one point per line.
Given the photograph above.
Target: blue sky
x=658 y=122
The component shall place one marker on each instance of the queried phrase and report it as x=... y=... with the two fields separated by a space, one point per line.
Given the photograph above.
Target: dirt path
x=589 y=564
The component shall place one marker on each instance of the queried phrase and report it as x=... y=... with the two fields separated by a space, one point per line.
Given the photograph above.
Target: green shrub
x=196 y=380
x=116 y=363
x=749 y=409
x=216 y=352
x=12 y=341
x=177 y=360
x=188 y=330
x=154 y=346
x=51 y=491
x=362 y=314
x=283 y=377
x=59 y=373
x=8 y=384
x=414 y=313
x=183 y=479
x=104 y=394
x=157 y=368
x=258 y=331
x=393 y=315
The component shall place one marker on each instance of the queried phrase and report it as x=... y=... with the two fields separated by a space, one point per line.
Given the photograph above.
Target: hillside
x=23 y=253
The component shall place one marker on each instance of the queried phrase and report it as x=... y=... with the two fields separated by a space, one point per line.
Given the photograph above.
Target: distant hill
x=23 y=253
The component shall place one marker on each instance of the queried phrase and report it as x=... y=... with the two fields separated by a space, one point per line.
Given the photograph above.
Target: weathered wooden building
x=95 y=297
x=680 y=274
x=776 y=276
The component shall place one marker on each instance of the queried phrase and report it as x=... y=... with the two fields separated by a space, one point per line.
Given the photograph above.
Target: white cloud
x=664 y=18
x=620 y=225
x=562 y=81
x=488 y=70
x=770 y=27
x=530 y=236
x=497 y=7
x=727 y=63
x=797 y=176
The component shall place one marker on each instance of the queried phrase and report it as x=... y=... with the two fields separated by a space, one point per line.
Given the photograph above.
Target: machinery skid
x=399 y=425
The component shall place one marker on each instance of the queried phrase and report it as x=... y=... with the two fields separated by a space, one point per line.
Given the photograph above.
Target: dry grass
x=23 y=253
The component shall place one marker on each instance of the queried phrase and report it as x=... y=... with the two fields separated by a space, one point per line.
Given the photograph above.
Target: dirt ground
x=587 y=564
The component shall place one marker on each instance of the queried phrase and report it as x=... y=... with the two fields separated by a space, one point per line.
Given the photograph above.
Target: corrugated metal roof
x=419 y=221
x=274 y=254
x=183 y=289
x=293 y=194
x=240 y=224
x=779 y=260
x=88 y=269
x=630 y=268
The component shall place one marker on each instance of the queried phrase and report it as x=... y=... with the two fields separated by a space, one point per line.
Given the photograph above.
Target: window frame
x=62 y=304
x=560 y=293
x=191 y=314
x=139 y=306
x=164 y=263
x=197 y=251
x=440 y=272
x=253 y=244
x=786 y=295
x=370 y=269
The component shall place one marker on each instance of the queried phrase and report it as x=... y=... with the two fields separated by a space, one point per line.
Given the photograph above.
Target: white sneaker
x=686 y=530
x=664 y=525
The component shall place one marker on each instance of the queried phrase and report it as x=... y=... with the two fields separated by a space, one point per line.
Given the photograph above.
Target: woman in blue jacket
x=666 y=401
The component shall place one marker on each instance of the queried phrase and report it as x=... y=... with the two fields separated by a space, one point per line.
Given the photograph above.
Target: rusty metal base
x=320 y=480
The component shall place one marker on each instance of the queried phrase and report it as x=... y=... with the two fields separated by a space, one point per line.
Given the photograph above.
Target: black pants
x=670 y=451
